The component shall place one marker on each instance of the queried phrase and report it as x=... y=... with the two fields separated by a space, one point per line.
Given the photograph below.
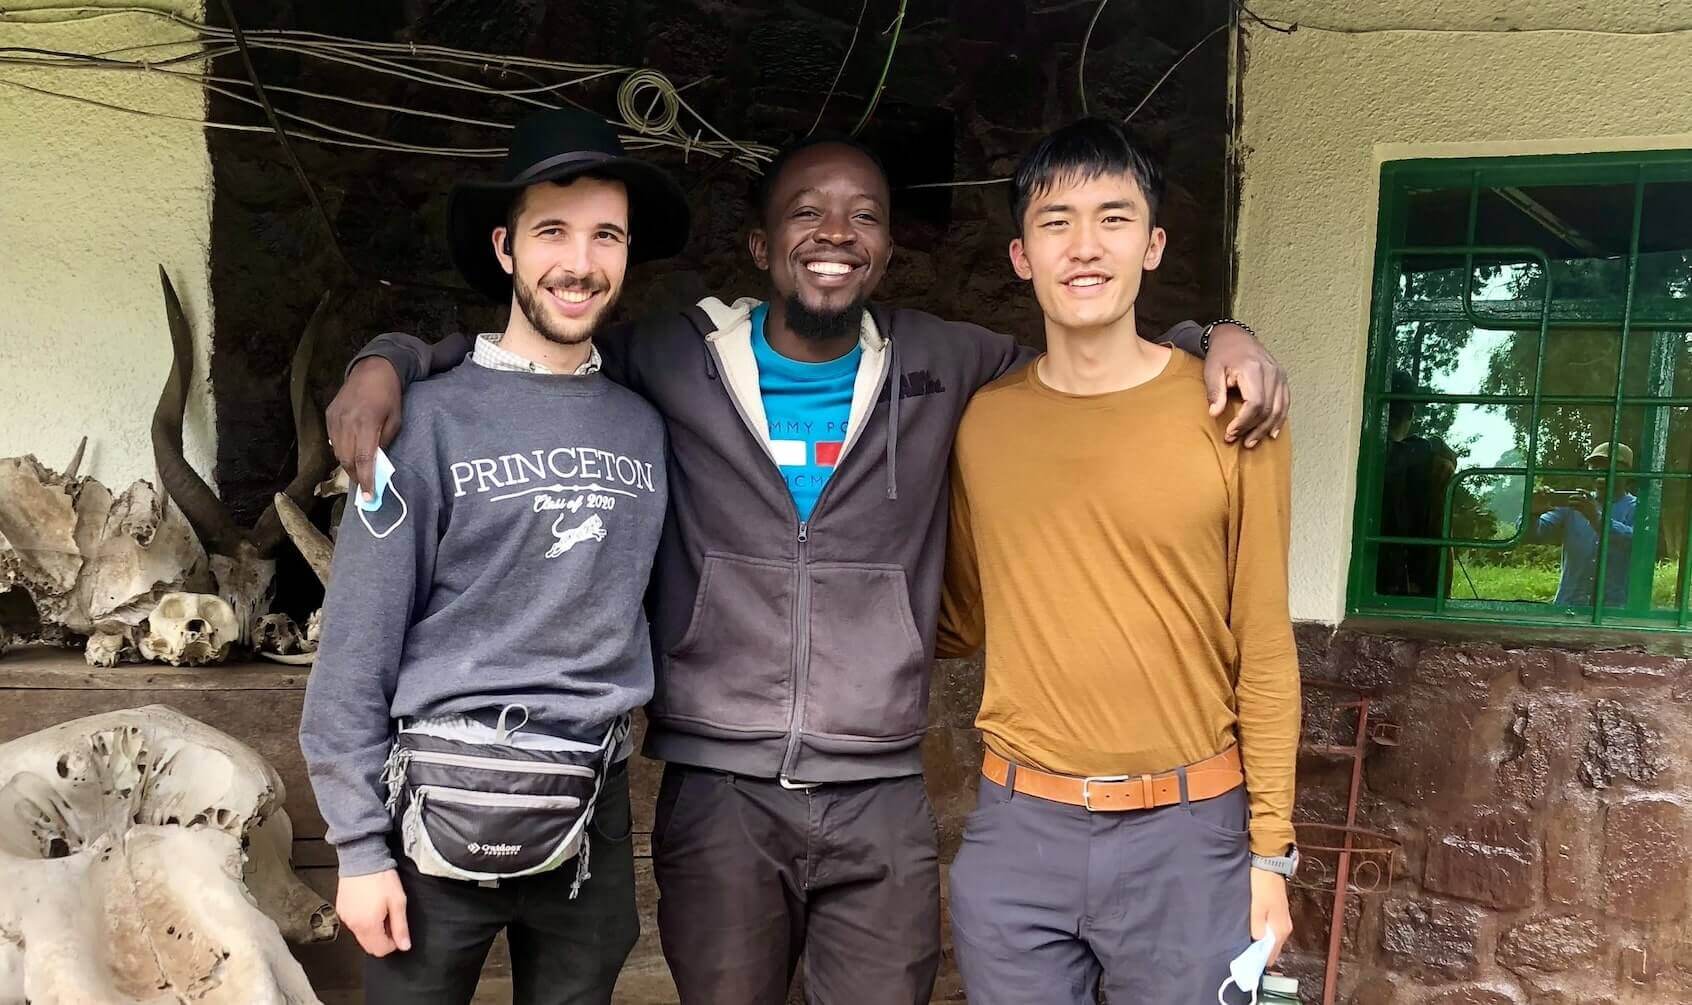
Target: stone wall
x=1542 y=796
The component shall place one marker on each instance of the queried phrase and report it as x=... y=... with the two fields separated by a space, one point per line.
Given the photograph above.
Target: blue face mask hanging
x=1246 y=970
x=373 y=502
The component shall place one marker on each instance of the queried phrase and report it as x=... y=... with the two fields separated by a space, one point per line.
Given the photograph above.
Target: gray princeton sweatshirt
x=506 y=565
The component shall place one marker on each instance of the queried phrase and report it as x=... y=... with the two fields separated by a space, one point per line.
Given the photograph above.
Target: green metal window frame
x=1398 y=180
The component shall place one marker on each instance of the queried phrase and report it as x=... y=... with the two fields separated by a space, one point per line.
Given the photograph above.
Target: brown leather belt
x=1207 y=779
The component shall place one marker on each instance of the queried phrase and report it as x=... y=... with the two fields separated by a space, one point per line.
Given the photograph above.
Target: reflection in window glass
x=1529 y=446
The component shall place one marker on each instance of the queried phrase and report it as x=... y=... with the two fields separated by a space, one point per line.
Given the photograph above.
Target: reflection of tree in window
x=1529 y=355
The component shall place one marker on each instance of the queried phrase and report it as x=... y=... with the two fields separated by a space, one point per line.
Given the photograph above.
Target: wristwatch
x=1204 y=340
x=1285 y=866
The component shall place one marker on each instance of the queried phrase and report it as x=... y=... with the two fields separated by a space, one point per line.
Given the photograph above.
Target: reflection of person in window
x=1568 y=518
x=1418 y=470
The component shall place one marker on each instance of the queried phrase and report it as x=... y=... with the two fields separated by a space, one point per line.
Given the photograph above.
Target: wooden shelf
x=64 y=669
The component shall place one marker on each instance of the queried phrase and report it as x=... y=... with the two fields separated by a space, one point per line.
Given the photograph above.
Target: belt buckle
x=1087 y=790
x=793 y=786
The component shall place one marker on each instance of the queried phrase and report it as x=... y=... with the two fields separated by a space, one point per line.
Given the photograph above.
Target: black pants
x=752 y=875
x=563 y=951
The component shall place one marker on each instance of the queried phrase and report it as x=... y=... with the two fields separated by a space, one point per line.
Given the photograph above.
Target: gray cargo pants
x=751 y=875
x=1049 y=901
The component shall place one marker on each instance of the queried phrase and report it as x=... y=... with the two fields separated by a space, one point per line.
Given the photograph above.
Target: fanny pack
x=483 y=812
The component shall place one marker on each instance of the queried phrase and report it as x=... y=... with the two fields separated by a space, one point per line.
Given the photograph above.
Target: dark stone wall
x=1540 y=794
x=973 y=83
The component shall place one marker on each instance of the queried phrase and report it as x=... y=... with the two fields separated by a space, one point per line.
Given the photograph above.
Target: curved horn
x=181 y=483
x=313 y=544
x=311 y=438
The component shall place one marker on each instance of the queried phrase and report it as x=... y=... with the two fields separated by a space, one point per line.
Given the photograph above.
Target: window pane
x=1553 y=561
x=1455 y=357
x=1659 y=364
x=1437 y=217
x=1430 y=449
x=1569 y=433
x=1585 y=231
x=1577 y=361
x=1657 y=438
x=1663 y=287
x=1509 y=290
x=1659 y=531
x=1652 y=438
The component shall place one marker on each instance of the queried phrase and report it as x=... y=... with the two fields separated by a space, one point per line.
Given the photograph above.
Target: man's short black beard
x=813 y=326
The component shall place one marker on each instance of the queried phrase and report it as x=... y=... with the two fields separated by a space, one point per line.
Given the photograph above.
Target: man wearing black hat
x=484 y=636
x=796 y=588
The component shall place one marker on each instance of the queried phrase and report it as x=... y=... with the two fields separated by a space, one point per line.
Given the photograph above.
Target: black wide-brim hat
x=558 y=145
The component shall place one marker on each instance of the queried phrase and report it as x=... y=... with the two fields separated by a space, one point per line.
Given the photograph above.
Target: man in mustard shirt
x=1126 y=568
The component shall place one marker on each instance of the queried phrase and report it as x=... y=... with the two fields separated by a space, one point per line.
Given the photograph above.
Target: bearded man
x=489 y=598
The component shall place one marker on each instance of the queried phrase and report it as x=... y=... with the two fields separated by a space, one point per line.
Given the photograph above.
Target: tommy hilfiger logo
x=917 y=383
x=475 y=848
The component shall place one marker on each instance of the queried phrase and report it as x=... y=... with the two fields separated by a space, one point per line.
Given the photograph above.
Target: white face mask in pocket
x=1246 y=970
x=373 y=503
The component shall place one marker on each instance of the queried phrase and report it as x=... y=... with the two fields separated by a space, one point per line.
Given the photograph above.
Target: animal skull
x=319 y=553
x=277 y=633
x=108 y=649
x=242 y=558
x=80 y=560
x=190 y=629
x=145 y=859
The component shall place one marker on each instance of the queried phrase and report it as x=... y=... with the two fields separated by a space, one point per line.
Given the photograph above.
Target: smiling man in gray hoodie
x=487 y=603
x=797 y=585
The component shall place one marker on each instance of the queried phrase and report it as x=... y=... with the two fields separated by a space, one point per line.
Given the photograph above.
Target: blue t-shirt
x=808 y=406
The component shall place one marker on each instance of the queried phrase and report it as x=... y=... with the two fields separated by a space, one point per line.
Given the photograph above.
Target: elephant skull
x=144 y=859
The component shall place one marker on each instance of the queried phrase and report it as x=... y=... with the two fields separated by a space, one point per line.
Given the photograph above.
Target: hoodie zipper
x=802 y=599
x=801 y=653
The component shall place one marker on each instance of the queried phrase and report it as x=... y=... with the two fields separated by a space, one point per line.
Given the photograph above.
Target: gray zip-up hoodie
x=789 y=649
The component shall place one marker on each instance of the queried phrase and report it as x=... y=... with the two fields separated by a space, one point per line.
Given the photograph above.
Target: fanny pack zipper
x=496 y=800
x=497 y=764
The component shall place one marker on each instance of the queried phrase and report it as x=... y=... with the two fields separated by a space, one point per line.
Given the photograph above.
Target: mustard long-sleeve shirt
x=1127 y=571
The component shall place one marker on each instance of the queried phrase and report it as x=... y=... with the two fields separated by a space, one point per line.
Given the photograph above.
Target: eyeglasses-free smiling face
x=826 y=236
x=569 y=255
x=1086 y=244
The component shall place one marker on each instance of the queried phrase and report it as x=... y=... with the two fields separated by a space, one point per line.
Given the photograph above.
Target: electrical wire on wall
x=651 y=112
x=1081 y=84
x=1243 y=12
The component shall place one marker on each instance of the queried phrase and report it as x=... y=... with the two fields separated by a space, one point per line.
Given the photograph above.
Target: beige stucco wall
x=91 y=203
x=1323 y=110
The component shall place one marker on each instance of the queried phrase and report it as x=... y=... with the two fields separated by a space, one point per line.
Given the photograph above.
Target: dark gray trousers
x=563 y=951
x=751 y=875
x=1050 y=902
